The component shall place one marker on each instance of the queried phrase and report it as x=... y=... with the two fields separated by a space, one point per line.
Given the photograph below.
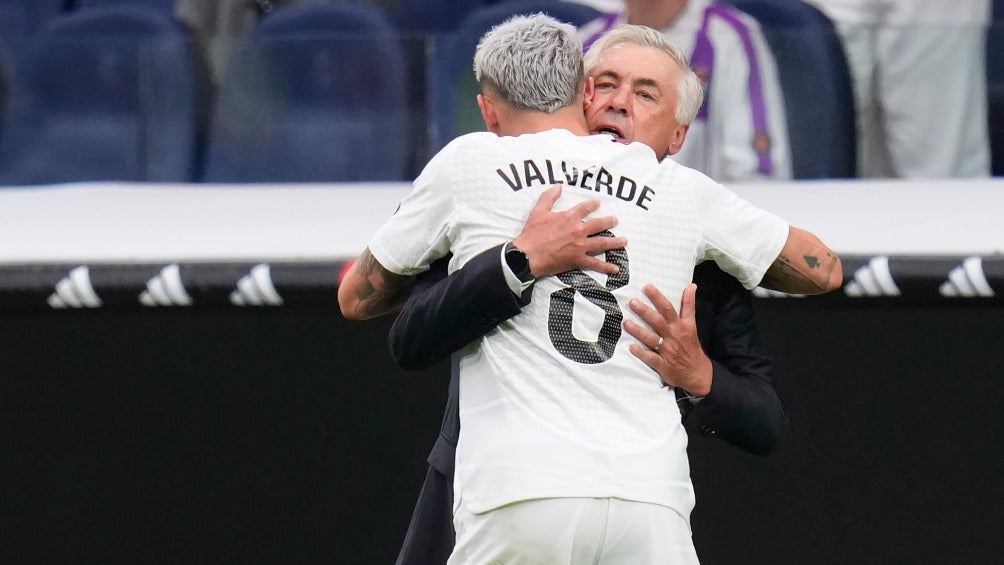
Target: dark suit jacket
x=744 y=407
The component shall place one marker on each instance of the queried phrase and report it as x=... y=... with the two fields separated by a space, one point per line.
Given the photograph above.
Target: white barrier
x=125 y=223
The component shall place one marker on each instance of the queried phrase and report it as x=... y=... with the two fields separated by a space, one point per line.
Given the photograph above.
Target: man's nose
x=620 y=101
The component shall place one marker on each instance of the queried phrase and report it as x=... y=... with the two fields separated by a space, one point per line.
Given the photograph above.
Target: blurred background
x=272 y=91
x=203 y=401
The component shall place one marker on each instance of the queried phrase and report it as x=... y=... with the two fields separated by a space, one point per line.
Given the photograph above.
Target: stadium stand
x=19 y=18
x=452 y=104
x=162 y=6
x=435 y=16
x=995 y=87
x=315 y=93
x=816 y=82
x=106 y=93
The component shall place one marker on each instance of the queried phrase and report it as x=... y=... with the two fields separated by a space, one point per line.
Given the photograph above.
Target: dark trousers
x=430 y=537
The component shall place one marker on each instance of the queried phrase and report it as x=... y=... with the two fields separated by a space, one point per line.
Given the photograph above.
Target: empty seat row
x=25 y=17
x=315 y=93
x=20 y=18
x=100 y=94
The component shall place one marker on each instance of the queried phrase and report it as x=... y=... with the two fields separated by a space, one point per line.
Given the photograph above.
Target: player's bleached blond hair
x=691 y=90
x=531 y=62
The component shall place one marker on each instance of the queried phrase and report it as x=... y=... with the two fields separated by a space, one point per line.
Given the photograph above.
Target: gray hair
x=691 y=89
x=531 y=62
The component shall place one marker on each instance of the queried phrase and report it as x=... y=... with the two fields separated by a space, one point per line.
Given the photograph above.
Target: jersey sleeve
x=418 y=232
x=742 y=239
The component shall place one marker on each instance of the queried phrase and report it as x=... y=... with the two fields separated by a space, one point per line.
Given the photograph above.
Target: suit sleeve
x=445 y=313
x=746 y=405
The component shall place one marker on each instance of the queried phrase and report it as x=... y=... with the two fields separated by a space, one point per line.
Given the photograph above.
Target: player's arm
x=369 y=290
x=804 y=266
x=443 y=314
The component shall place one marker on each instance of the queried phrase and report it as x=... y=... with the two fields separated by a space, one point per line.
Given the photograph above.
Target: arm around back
x=445 y=313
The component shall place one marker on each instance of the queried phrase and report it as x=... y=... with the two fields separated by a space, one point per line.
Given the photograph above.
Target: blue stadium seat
x=435 y=16
x=163 y=6
x=995 y=87
x=19 y=18
x=315 y=93
x=816 y=83
x=101 y=94
x=453 y=90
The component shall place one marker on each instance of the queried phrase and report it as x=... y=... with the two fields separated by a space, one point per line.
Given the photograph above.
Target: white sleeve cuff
x=515 y=285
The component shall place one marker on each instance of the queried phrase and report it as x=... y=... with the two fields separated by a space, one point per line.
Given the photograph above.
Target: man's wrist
x=516 y=269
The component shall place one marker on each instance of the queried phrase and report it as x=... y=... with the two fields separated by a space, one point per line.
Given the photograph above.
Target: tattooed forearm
x=811 y=273
x=376 y=289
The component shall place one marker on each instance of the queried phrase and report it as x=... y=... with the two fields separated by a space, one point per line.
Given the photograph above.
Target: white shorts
x=573 y=531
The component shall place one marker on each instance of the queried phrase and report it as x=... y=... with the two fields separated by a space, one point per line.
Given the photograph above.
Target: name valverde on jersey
x=529 y=173
x=552 y=402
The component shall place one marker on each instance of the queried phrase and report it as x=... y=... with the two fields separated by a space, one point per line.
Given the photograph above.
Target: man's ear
x=587 y=94
x=677 y=138
x=489 y=113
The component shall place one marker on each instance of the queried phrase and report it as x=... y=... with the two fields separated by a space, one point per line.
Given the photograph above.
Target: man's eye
x=646 y=96
x=604 y=85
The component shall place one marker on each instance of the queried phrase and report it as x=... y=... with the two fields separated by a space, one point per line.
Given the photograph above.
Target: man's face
x=635 y=97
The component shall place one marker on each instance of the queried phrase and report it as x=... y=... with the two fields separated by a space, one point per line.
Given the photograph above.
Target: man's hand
x=556 y=242
x=673 y=349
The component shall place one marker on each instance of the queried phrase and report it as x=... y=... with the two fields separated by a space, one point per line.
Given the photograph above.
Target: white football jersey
x=552 y=402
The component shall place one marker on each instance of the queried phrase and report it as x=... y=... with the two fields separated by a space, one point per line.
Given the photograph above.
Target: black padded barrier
x=948 y=280
x=217 y=433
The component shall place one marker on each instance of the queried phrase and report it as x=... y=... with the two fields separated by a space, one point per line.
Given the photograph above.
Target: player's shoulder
x=669 y=164
x=457 y=151
x=462 y=148
x=473 y=139
x=483 y=140
x=686 y=176
x=636 y=152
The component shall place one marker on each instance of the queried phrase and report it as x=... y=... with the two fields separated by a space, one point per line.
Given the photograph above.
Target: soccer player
x=564 y=430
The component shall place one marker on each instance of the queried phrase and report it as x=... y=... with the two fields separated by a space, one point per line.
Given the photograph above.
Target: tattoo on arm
x=799 y=276
x=381 y=290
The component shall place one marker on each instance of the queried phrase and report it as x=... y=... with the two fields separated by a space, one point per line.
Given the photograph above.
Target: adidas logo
x=256 y=289
x=166 y=289
x=761 y=292
x=873 y=279
x=75 y=291
x=967 y=280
